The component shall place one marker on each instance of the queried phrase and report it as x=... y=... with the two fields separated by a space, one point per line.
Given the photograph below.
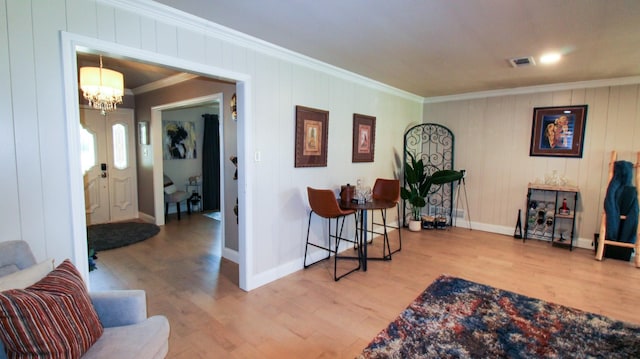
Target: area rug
x=455 y=318
x=105 y=236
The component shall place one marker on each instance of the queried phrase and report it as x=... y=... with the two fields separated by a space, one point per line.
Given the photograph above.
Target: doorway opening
x=211 y=103
x=72 y=44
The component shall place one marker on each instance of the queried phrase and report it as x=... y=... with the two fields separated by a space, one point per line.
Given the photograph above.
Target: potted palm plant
x=417 y=188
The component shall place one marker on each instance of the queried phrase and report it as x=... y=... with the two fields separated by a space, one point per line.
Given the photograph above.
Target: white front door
x=109 y=165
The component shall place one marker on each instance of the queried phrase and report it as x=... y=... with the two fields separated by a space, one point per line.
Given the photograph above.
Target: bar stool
x=324 y=204
x=387 y=190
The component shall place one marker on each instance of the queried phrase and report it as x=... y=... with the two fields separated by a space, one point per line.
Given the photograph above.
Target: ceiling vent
x=522 y=61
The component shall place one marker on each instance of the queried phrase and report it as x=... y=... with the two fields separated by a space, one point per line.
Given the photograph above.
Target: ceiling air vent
x=522 y=61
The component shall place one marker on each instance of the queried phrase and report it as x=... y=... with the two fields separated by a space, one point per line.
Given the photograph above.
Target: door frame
x=158 y=161
x=71 y=43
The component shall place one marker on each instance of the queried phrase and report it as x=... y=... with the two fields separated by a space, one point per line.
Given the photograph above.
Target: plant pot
x=415 y=226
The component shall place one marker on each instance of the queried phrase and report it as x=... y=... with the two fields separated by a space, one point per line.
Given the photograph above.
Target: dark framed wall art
x=558 y=131
x=364 y=138
x=179 y=140
x=312 y=132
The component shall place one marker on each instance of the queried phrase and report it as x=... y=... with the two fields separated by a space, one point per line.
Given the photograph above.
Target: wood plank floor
x=308 y=315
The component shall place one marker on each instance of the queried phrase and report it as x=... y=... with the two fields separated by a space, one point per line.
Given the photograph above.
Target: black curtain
x=211 y=164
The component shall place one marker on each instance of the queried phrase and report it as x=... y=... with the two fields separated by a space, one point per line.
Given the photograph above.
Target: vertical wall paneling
x=10 y=210
x=636 y=121
x=49 y=94
x=613 y=119
x=127 y=28
x=626 y=113
x=500 y=168
x=166 y=39
x=148 y=40
x=592 y=194
x=40 y=103
x=22 y=65
x=213 y=51
x=106 y=22
x=191 y=46
x=82 y=17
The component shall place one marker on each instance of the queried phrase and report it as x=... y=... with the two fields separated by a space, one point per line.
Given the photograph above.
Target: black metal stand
x=464 y=186
x=517 y=233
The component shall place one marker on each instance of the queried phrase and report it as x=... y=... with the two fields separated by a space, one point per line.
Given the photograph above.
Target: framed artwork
x=179 y=140
x=312 y=131
x=558 y=131
x=364 y=138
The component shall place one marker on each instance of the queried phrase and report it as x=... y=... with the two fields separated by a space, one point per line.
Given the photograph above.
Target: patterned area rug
x=455 y=318
x=101 y=237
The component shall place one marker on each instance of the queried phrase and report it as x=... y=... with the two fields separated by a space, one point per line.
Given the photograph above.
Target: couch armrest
x=116 y=308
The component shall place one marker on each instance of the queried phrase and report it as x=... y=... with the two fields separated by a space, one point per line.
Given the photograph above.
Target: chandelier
x=103 y=88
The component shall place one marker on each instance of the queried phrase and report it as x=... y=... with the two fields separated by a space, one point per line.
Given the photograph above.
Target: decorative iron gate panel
x=433 y=144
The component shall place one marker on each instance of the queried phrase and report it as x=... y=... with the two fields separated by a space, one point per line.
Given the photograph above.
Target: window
x=87 y=150
x=120 y=158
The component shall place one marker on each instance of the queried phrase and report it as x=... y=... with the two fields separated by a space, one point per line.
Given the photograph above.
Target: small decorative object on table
x=564 y=209
x=428 y=222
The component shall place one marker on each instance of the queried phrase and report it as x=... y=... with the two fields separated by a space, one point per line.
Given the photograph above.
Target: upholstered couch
x=128 y=332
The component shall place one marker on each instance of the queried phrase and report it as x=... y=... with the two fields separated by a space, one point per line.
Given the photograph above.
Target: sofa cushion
x=26 y=277
x=144 y=340
x=53 y=318
x=8 y=269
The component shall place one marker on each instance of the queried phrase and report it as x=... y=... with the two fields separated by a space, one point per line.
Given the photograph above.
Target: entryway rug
x=455 y=318
x=105 y=236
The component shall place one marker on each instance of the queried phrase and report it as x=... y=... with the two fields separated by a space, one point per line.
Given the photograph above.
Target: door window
x=87 y=150
x=120 y=155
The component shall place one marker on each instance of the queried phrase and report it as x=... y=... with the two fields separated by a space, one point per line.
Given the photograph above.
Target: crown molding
x=620 y=81
x=167 y=14
x=168 y=81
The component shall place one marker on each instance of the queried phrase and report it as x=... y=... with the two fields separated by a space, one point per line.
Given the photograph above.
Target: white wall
x=492 y=139
x=179 y=170
x=38 y=202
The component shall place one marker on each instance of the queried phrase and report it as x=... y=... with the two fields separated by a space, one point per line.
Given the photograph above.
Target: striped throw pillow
x=53 y=318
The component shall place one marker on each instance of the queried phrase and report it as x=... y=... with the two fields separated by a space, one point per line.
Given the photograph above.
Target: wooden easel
x=603 y=226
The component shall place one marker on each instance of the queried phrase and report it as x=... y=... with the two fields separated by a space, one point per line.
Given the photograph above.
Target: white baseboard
x=147 y=218
x=508 y=231
x=231 y=255
x=295 y=265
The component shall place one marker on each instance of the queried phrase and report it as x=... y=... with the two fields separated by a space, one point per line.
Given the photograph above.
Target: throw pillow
x=53 y=318
x=26 y=277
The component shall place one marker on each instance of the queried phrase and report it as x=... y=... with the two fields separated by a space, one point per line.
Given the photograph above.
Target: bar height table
x=361 y=213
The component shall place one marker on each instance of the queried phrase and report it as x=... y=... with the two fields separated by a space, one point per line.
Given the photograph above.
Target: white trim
x=230 y=254
x=508 y=231
x=621 y=81
x=155 y=134
x=71 y=43
x=146 y=218
x=245 y=178
x=165 y=82
x=76 y=183
x=176 y=17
